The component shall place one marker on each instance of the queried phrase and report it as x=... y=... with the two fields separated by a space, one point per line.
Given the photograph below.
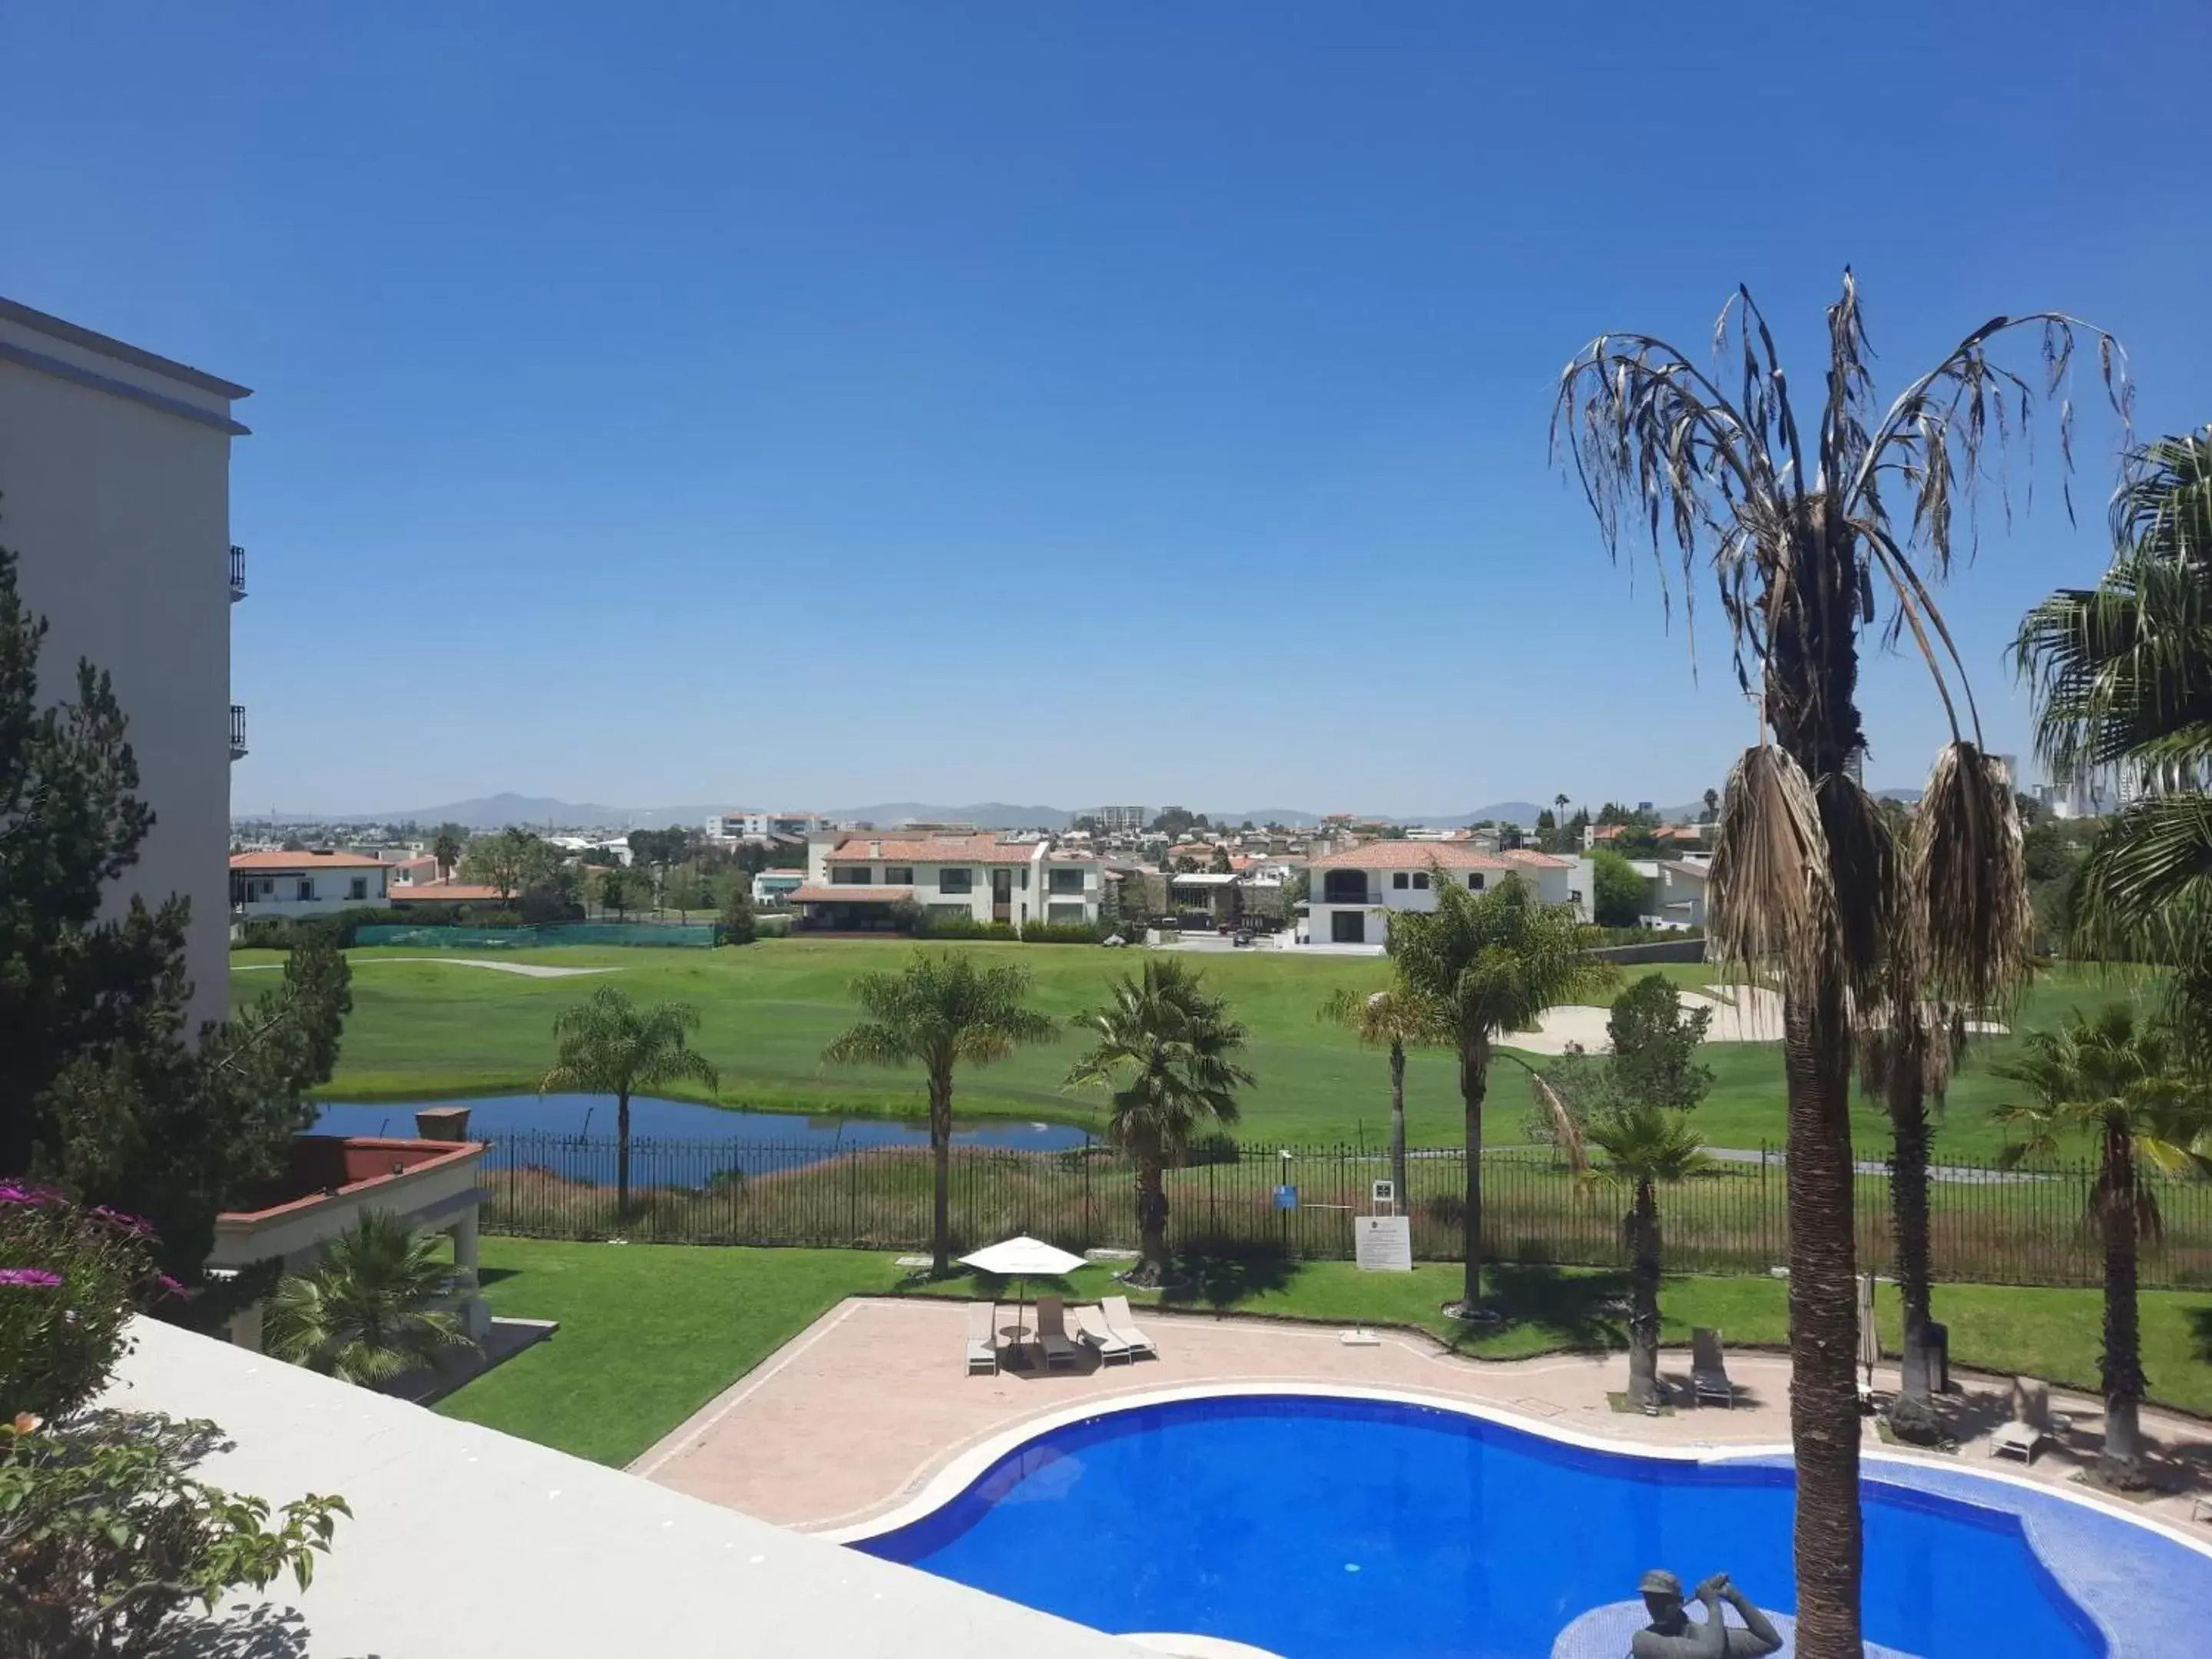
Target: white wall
x=332 y=889
x=119 y=509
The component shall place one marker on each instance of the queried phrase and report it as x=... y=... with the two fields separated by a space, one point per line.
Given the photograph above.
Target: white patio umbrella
x=1022 y=1258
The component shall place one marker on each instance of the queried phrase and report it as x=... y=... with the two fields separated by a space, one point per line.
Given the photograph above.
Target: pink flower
x=34 y=1276
x=14 y=1192
x=138 y=1227
x=173 y=1287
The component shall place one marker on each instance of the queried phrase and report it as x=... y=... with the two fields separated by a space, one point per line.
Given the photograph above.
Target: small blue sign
x=1286 y=1198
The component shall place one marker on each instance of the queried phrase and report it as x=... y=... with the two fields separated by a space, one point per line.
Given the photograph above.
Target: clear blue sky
x=804 y=404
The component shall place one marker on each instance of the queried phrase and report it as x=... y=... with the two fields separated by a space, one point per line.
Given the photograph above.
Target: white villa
x=312 y=883
x=1352 y=892
x=853 y=877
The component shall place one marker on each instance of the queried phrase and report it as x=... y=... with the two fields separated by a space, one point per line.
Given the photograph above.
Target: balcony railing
x=238 y=730
x=1367 y=896
x=237 y=573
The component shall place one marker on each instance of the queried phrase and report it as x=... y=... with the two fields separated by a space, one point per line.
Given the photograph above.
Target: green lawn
x=422 y=1031
x=651 y=1332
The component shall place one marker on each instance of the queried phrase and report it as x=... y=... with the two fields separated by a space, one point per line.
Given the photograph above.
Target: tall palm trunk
x=1824 y=1415
x=1152 y=1214
x=1643 y=1298
x=1908 y=1215
x=2122 y=1462
x=1474 y=1082
x=622 y=1154
x=1398 y=1125
x=940 y=1162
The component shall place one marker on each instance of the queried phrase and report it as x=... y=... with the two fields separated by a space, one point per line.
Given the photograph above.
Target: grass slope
x=425 y=1029
x=651 y=1332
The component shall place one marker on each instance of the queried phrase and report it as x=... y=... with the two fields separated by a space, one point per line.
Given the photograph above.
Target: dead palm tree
x=2119 y=1078
x=1484 y=964
x=1804 y=551
x=1388 y=1019
x=945 y=1010
x=611 y=1046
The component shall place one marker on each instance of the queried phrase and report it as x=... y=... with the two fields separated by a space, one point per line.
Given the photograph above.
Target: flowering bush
x=69 y=1278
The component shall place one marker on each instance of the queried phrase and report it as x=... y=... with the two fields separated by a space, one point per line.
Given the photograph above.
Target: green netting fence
x=698 y=934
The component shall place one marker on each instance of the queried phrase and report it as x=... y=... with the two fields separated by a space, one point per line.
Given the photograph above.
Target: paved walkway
x=527 y=969
x=850 y=1418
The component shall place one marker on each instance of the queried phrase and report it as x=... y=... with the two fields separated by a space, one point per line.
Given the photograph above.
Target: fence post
x=852 y=1196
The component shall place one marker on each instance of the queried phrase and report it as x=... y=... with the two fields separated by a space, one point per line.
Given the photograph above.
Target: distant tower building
x=1121 y=820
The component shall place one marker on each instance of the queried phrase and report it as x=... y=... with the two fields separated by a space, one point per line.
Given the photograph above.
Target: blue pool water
x=1321 y=1526
x=785 y=1140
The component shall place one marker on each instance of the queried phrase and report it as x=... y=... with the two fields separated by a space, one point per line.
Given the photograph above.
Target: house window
x=307 y=889
x=1347 y=928
x=1063 y=913
x=1397 y=880
x=956 y=881
x=846 y=875
x=1344 y=887
x=1475 y=882
x=1067 y=881
x=1421 y=880
x=898 y=875
x=357 y=888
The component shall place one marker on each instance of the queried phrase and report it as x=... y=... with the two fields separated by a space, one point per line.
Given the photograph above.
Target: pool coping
x=961 y=1472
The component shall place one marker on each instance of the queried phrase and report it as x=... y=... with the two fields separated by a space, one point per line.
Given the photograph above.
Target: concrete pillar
x=475 y=1317
x=246 y=1328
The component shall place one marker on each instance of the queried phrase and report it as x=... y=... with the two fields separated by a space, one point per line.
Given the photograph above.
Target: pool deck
x=850 y=1419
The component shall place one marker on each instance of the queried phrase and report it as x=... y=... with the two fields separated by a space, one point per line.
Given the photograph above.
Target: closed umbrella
x=1022 y=1258
x=1869 y=1332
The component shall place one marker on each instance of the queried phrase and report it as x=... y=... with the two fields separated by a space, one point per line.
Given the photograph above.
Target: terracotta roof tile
x=449 y=892
x=310 y=860
x=1410 y=856
x=985 y=848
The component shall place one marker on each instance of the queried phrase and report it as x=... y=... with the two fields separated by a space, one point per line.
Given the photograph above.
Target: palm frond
x=1772 y=898
x=1970 y=927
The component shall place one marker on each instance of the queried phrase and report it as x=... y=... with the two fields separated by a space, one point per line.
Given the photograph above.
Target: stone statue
x=1672 y=1634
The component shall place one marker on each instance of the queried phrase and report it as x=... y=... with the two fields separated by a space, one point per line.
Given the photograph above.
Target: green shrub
x=1064 y=933
x=70 y=1278
x=962 y=927
x=282 y=933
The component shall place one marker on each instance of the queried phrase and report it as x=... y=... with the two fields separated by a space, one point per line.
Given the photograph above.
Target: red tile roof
x=446 y=893
x=984 y=847
x=307 y=860
x=1537 y=860
x=1410 y=856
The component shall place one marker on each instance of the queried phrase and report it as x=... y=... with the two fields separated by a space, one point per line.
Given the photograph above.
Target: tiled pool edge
x=2134 y=1612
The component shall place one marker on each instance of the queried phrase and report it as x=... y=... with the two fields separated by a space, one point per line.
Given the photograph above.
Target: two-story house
x=1351 y=893
x=853 y=878
x=312 y=883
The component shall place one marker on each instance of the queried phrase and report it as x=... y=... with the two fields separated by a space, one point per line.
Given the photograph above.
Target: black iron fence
x=2018 y=1227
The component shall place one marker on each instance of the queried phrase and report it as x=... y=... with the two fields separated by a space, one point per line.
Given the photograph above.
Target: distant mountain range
x=495 y=811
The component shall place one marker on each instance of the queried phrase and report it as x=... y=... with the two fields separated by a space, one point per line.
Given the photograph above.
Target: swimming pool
x=1314 y=1524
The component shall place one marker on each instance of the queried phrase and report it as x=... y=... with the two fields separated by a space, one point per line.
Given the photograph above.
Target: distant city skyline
x=1072 y=405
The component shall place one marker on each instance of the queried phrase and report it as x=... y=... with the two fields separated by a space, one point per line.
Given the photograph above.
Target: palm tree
x=944 y=1010
x=363 y=1313
x=1712 y=806
x=1646 y=1147
x=609 y=1045
x=2122 y=674
x=2117 y=1077
x=1387 y=1019
x=447 y=851
x=1168 y=1050
x=1485 y=963
x=1802 y=544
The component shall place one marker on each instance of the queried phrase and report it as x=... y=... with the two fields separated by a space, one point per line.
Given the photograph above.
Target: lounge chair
x=1091 y=1327
x=982 y=1337
x=1116 y=1311
x=1052 y=1333
x=2031 y=1425
x=1709 y=1378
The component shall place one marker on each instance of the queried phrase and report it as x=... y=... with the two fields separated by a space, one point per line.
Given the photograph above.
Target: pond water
x=792 y=1137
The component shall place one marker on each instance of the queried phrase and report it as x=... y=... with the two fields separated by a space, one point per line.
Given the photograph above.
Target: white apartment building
x=115 y=497
x=740 y=822
x=853 y=877
x=1352 y=894
x=1119 y=820
x=312 y=883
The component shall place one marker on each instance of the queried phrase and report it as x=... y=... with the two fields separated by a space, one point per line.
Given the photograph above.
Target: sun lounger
x=982 y=1337
x=1116 y=1311
x=1052 y=1333
x=1091 y=1327
x=1709 y=1378
x=2031 y=1424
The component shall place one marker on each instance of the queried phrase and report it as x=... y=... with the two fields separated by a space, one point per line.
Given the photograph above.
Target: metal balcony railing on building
x=238 y=730
x=237 y=573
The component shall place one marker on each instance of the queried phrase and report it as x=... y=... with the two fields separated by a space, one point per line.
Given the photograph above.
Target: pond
x=787 y=1140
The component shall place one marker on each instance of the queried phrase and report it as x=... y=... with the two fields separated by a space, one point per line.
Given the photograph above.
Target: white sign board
x=1382 y=1244
x=1386 y=1194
